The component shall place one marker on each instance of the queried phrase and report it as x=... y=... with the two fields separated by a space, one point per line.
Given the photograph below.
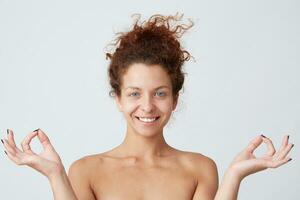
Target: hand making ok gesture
x=47 y=162
x=246 y=163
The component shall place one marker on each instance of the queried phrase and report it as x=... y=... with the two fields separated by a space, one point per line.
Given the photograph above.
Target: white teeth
x=146 y=119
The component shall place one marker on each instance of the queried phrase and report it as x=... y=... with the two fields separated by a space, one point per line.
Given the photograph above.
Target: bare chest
x=133 y=183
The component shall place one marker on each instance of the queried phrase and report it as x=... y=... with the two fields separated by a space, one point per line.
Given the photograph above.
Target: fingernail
x=36 y=130
x=290 y=159
x=288 y=136
x=2 y=141
x=5 y=152
x=7 y=130
x=292 y=145
x=263 y=136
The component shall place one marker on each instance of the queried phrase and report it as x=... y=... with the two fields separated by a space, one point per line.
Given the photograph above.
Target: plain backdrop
x=244 y=81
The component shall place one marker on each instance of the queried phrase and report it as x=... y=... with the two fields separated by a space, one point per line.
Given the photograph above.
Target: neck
x=144 y=147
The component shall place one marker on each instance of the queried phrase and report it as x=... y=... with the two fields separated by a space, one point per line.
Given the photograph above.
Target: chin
x=148 y=133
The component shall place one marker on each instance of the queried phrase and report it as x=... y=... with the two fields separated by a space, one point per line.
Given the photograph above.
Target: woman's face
x=146 y=98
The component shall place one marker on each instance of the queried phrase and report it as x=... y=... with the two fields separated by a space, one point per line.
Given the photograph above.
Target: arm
x=79 y=176
x=245 y=163
x=229 y=187
x=61 y=187
x=207 y=178
x=47 y=163
x=207 y=188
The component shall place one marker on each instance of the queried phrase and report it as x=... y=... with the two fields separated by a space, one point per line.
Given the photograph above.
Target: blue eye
x=134 y=94
x=161 y=94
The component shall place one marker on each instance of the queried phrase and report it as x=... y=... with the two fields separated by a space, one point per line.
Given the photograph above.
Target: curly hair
x=154 y=41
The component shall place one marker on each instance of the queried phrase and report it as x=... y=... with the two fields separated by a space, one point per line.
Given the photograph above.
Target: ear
x=118 y=102
x=175 y=102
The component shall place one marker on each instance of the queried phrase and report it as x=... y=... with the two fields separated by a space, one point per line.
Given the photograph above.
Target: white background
x=245 y=82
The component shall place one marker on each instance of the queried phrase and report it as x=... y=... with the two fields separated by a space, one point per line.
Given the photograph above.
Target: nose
x=147 y=104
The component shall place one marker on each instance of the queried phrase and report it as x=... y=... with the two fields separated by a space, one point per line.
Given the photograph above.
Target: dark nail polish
x=7 y=130
x=2 y=141
x=263 y=136
x=288 y=137
x=5 y=152
x=292 y=145
x=290 y=159
x=36 y=130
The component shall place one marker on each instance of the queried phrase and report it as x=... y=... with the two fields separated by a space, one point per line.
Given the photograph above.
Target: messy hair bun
x=154 y=41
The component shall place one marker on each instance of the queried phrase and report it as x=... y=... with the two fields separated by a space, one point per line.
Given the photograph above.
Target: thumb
x=254 y=144
x=44 y=139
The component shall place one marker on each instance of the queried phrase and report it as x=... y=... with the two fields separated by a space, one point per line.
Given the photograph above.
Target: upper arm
x=207 y=177
x=79 y=179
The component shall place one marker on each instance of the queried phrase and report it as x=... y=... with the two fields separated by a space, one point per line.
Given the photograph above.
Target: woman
x=146 y=76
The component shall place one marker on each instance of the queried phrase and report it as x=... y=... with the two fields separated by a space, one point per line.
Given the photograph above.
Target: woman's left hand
x=246 y=163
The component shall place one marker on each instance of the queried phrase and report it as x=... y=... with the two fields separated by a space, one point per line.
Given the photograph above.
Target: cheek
x=129 y=107
x=166 y=106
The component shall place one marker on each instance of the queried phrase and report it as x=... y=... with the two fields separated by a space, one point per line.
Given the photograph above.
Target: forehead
x=145 y=76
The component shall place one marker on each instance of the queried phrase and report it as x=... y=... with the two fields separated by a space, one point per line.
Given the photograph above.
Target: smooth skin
x=144 y=166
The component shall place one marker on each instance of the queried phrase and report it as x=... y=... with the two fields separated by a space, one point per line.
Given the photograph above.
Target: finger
x=13 y=158
x=285 y=151
x=26 y=142
x=271 y=150
x=285 y=140
x=8 y=148
x=43 y=139
x=11 y=141
x=254 y=144
x=10 y=138
x=277 y=163
x=284 y=144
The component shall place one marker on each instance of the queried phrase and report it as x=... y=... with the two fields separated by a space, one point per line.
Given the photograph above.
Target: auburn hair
x=153 y=41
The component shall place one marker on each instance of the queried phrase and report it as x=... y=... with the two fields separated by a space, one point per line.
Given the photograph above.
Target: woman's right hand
x=47 y=162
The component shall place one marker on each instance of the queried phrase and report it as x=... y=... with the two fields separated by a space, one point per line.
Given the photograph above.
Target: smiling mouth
x=147 y=119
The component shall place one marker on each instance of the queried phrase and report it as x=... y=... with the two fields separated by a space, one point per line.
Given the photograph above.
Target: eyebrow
x=137 y=88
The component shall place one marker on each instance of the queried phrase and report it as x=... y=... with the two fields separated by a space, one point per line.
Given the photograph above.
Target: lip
x=147 y=117
x=147 y=123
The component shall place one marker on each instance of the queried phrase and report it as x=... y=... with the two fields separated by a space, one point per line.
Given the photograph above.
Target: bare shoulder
x=80 y=175
x=94 y=165
x=86 y=162
x=85 y=168
x=195 y=160
x=204 y=169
